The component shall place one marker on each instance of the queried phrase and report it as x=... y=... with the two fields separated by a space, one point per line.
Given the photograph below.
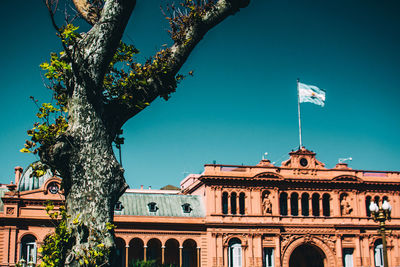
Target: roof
x=3 y=190
x=169 y=205
x=31 y=183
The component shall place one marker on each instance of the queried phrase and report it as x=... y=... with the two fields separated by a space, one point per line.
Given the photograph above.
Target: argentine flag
x=311 y=93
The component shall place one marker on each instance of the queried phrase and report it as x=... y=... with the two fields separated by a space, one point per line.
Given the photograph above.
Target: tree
x=98 y=83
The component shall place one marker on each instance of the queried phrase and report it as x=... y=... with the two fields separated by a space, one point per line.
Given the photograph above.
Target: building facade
x=299 y=214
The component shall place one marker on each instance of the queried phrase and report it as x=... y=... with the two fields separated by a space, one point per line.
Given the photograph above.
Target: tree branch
x=163 y=84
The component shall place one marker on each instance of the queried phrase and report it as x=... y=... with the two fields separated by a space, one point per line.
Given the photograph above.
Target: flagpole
x=298 y=108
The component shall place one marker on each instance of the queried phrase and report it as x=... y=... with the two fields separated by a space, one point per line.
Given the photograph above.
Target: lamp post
x=381 y=214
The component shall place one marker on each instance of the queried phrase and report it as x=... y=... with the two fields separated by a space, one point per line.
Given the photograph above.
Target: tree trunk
x=93 y=184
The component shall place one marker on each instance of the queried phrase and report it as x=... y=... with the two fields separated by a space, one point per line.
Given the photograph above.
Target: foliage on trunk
x=98 y=85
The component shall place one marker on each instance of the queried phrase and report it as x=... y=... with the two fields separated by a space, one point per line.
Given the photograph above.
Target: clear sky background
x=242 y=100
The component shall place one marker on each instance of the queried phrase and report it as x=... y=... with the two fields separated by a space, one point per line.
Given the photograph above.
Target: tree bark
x=95 y=179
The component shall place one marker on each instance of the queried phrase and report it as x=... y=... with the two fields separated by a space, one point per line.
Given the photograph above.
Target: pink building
x=299 y=214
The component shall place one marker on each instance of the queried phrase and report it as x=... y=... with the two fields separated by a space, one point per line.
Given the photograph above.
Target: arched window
x=233 y=203
x=235 y=253
x=376 y=200
x=378 y=251
x=294 y=204
x=283 y=204
x=28 y=249
x=367 y=203
x=241 y=203
x=225 y=203
x=315 y=205
x=304 y=205
x=326 y=209
x=136 y=250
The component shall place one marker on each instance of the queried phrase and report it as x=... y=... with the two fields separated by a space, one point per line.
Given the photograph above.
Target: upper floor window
x=241 y=203
x=294 y=204
x=225 y=203
x=186 y=208
x=233 y=203
x=326 y=209
x=118 y=206
x=315 y=205
x=283 y=204
x=152 y=207
x=304 y=205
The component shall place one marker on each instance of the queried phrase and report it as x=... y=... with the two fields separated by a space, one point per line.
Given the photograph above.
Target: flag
x=311 y=93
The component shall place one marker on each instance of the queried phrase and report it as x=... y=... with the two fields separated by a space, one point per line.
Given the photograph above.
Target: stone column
x=289 y=205
x=336 y=204
x=397 y=250
x=357 y=261
x=15 y=246
x=321 y=207
x=163 y=254
x=237 y=204
x=145 y=253
x=365 y=251
x=220 y=248
x=229 y=204
x=339 y=250
x=126 y=255
x=198 y=256
x=299 y=208
x=243 y=256
x=218 y=201
x=249 y=203
x=225 y=248
x=277 y=251
x=180 y=256
x=310 y=213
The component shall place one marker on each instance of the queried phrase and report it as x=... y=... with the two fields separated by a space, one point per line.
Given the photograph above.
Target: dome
x=27 y=182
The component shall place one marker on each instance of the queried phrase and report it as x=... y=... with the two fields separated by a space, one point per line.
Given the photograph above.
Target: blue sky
x=242 y=100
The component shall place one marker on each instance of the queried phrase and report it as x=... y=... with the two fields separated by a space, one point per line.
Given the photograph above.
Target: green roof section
x=27 y=182
x=167 y=205
x=3 y=190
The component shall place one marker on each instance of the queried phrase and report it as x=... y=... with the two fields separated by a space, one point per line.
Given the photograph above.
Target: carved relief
x=345 y=205
x=267 y=204
x=10 y=211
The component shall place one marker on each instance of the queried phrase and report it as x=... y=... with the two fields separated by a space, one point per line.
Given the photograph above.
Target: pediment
x=269 y=176
x=348 y=178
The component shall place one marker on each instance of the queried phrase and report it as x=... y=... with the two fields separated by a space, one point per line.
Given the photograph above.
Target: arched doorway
x=307 y=255
x=154 y=250
x=172 y=252
x=136 y=250
x=120 y=252
x=189 y=253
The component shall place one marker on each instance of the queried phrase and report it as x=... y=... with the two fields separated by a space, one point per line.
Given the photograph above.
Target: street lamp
x=381 y=214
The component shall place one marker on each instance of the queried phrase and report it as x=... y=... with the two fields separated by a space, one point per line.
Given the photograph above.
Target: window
x=118 y=206
x=326 y=209
x=378 y=251
x=294 y=204
x=186 y=208
x=28 y=249
x=367 y=203
x=304 y=205
x=225 y=203
x=241 y=203
x=348 y=257
x=233 y=203
x=53 y=188
x=235 y=253
x=283 y=204
x=268 y=257
x=315 y=205
x=152 y=207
